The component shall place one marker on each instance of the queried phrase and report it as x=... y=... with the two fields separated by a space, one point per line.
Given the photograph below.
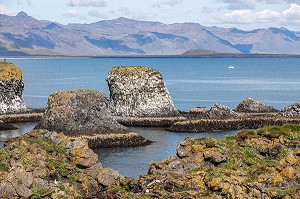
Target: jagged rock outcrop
x=219 y=111
x=291 y=111
x=140 y=92
x=86 y=114
x=250 y=105
x=11 y=88
x=254 y=164
x=44 y=164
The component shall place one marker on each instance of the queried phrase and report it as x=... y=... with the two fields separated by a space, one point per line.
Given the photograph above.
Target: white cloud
x=171 y=3
x=87 y=3
x=73 y=13
x=267 y=16
x=5 y=10
x=288 y=16
x=293 y=12
x=238 y=17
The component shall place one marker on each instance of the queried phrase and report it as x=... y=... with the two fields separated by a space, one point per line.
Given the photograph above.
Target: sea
x=192 y=82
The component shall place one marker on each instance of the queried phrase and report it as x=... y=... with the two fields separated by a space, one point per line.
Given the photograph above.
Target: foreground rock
x=291 y=111
x=250 y=105
x=139 y=92
x=46 y=164
x=11 y=88
x=254 y=164
x=86 y=114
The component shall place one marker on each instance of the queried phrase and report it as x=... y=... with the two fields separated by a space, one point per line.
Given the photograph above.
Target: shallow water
x=22 y=129
x=135 y=161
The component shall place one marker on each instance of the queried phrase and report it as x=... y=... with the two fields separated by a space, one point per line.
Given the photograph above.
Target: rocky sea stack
x=139 y=92
x=86 y=114
x=250 y=105
x=11 y=88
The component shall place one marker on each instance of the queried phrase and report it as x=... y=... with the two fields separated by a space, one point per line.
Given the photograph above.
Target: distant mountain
x=24 y=35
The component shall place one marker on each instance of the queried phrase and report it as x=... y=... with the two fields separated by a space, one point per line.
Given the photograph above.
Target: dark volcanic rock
x=291 y=111
x=139 y=91
x=250 y=105
x=11 y=88
x=86 y=114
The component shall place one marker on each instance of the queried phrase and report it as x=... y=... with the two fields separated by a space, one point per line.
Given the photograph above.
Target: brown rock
x=215 y=183
x=82 y=154
x=214 y=156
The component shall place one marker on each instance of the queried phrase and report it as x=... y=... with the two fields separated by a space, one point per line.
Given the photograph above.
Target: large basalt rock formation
x=86 y=114
x=291 y=111
x=250 y=105
x=139 y=91
x=11 y=88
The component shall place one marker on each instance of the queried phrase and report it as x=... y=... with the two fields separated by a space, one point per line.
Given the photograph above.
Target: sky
x=242 y=14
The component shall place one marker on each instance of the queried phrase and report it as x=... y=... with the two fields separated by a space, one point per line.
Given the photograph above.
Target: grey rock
x=291 y=111
x=139 y=92
x=85 y=114
x=250 y=105
x=218 y=111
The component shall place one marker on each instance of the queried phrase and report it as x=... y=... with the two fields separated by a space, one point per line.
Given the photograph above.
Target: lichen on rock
x=292 y=111
x=86 y=114
x=259 y=163
x=139 y=92
x=11 y=88
x=46 y=164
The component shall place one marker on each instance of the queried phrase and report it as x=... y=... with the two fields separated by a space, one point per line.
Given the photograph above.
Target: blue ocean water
x=192 y=82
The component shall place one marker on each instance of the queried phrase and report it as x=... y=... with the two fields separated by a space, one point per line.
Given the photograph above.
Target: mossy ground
x=258 y=162
x=9 y=71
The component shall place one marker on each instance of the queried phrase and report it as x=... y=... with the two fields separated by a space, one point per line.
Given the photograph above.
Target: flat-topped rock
x=86 y=114
x=140 y=92
x=291 y=111
x=250 y=105
x=11 y=88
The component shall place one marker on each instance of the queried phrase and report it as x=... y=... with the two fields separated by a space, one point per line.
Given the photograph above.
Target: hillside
x=24 y=35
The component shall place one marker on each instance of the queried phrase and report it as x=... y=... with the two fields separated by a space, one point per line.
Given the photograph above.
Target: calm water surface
x=192 y=82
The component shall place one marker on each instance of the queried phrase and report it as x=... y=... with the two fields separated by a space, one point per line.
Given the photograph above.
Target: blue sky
x=243 y=14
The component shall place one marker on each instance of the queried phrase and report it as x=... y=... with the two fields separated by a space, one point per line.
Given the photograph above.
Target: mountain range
x=22 y=35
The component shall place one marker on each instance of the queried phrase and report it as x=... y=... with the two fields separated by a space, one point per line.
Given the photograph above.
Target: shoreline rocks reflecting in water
x=86 y=114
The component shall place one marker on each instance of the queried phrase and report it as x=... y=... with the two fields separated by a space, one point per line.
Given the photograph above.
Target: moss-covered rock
x=261 y=163
x=11 y=88
x=139 y=91
x=44 y=164
x=86 y=114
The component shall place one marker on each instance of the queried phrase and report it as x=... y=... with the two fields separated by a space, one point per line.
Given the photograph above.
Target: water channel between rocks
x=132 y=161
